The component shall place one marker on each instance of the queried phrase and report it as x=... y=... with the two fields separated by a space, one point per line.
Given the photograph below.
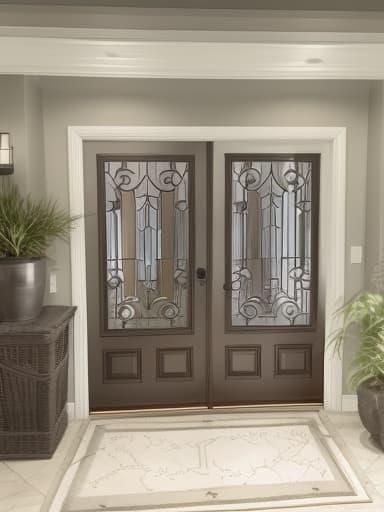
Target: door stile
x=210 y=400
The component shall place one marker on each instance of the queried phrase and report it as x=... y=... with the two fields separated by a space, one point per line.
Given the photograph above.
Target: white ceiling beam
x=178 y=58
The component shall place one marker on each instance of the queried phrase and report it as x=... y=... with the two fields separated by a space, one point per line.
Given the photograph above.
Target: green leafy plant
x=364 y=312
x=28 y=227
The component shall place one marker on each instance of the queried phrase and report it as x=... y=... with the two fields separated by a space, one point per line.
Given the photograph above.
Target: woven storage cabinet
x=33 y=384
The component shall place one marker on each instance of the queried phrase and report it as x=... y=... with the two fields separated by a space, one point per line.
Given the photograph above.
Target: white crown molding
x=191 y=54
x=197 y=36
x=335 y=243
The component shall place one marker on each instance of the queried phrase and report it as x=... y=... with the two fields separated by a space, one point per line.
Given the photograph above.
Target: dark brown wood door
x=146 y=243
x=267 y=336
x=151 y=230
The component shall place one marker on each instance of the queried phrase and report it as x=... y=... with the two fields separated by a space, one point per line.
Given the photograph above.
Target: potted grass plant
x=27 y=228
x=363 y=316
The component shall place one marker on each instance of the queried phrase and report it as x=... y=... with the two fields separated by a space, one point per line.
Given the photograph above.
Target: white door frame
x=335 y=243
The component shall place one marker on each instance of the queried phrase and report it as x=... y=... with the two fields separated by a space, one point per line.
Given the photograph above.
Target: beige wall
x=21 y=116
x=34 y=164
x=375 y=182
x=12 y=120
x=83 y=101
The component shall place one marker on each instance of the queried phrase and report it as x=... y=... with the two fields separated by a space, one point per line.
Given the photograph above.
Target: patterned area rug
x=209 y=462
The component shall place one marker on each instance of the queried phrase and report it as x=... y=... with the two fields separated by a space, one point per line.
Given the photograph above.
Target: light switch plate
x=356 y=253
x=52 y=282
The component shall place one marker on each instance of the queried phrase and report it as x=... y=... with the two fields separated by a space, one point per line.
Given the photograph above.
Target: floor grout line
x=23 y=479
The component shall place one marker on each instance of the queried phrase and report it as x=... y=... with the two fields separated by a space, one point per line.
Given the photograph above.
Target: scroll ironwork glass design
x=147 y=241
x=271 y=243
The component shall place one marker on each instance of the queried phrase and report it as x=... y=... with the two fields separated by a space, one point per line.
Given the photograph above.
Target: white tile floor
x=368 y=457
x=28 y=486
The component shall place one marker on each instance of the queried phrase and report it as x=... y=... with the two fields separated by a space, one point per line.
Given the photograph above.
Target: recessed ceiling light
x=112 y=55
x=314 y=60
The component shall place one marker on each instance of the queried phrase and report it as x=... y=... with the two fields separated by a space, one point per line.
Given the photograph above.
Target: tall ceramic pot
x=370 y=396
x=22 y=285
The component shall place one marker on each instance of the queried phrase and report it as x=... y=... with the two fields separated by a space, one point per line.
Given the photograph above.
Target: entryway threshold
x=302 y=407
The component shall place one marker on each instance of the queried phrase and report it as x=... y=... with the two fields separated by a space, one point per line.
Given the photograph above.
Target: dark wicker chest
x=33 y=384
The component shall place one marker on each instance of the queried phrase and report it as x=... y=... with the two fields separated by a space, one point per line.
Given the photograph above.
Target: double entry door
x=201 y=276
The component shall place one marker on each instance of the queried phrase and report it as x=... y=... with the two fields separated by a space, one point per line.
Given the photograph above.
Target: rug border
x=314 y=423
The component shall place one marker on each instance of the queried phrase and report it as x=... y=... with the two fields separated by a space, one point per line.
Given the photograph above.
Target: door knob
x=227 y=287
x=201 y=273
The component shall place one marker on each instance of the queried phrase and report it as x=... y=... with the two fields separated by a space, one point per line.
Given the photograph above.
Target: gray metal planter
x=371 y=409
x=22 y=286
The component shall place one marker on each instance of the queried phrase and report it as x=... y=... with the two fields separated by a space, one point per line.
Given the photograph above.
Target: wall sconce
x=6 y=155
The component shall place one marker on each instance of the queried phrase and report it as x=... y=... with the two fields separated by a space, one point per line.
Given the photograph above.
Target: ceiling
x=308 y=5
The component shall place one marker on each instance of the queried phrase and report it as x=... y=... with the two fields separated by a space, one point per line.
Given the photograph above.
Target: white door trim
x=334 y=295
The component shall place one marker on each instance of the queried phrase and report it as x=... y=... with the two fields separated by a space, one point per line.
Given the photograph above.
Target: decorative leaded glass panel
x=271 y=248
x=147 y=217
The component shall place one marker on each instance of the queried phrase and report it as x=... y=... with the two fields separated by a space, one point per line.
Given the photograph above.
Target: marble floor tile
x=39 y=473
x=16 y=494
x=25 y=485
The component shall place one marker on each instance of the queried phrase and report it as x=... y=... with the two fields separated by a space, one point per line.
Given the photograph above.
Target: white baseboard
x=349 y=403
x=71 y=410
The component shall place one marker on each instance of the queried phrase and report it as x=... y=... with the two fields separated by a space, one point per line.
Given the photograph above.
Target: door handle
x=227 y=287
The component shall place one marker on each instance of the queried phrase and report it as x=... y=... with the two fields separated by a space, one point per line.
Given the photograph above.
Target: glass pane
x=271 y=243
x=147 y=238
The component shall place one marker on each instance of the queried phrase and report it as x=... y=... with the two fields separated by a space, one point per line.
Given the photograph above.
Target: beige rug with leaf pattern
x=203 y=462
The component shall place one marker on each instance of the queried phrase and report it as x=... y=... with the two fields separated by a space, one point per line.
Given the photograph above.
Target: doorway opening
x=334 y=290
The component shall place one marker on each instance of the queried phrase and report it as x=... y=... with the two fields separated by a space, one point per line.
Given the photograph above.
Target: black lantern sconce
x=6 y=155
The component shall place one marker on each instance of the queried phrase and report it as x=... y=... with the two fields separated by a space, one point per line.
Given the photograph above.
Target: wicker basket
x=33 y=384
